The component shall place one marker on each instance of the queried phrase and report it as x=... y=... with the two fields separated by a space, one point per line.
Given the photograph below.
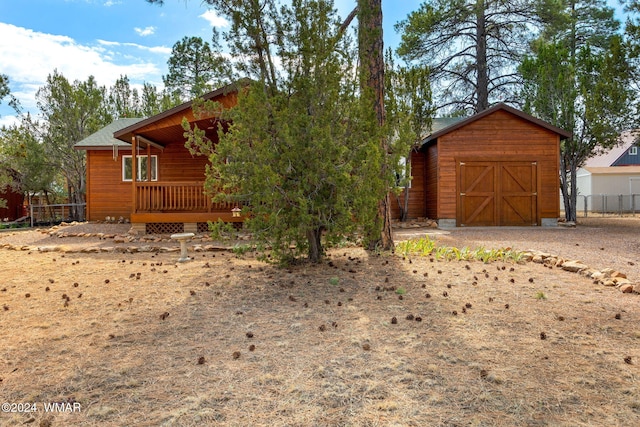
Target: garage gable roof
x=457 y=124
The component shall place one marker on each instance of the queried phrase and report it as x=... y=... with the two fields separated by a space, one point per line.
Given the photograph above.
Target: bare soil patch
x=138 y=339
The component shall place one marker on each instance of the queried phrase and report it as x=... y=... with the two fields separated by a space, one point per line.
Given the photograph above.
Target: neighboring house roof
x=609 y=158
x=440 y=123
x=618 y=170
x=103 y=139
x=449 y=125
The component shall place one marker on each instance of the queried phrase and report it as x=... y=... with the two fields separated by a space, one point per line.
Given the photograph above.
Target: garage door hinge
x=534 y=194
x=463 y=194
x=462 y=163
x=534 y=163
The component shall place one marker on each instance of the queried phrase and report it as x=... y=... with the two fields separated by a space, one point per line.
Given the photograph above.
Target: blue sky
x=110 y=38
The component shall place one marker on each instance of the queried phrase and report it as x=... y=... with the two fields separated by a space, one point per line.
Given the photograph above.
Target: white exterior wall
x=614 y=185
x=583 y=182
x=594 y=186
x=611 y=184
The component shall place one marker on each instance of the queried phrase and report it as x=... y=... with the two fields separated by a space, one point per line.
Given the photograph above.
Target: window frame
x=139 y=157
x=633 y=151
x=402 y=163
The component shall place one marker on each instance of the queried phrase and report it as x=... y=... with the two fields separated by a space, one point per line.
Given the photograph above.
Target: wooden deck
x=178 y=202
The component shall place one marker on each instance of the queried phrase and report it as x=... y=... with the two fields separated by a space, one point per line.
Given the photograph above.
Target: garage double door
x=497 y=193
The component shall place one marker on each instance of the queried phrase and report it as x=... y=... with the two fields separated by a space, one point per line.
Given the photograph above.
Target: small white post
x=182 y=238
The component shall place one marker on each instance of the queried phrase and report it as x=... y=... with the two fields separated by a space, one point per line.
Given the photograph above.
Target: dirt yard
x=137 y=339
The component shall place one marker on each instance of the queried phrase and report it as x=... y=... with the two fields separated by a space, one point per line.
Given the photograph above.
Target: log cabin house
x=167 y=195
x=500 y=167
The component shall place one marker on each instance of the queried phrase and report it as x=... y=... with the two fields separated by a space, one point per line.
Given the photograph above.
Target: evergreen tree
x=71 y=112
x=373 y=115
x=255 y=34
x=578 y=79
x=4 y=86
x=409 y=112
x=632 y=33
x=471 y=48
x=22 y=152
x=195 y=67
x=125 y=101
x=296 y=150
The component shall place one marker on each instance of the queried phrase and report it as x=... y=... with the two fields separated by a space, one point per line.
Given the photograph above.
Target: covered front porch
x=167 y=180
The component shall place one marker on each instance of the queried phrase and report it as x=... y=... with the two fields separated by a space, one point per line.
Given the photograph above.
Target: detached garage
x=499 y=167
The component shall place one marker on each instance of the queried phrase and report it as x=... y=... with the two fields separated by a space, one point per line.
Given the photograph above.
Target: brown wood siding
x=431 y=182
x=416 y=192
x=500 y=136
x=176 y=164
x=14 y=201
x=107 y=194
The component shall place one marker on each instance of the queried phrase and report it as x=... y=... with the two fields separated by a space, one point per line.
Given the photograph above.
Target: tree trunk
x=314 y=236
x=482 y=76
x=573 y=197
x=568 y=181
x=371 y=50
x=405 y=204
x=52 y=213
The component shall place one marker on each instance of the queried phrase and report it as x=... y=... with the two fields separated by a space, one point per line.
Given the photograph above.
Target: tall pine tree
x=471 y=48
x=578 y=79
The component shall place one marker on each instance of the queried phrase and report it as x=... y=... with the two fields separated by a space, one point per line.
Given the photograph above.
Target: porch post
x=150 y=197
x=134 y=172
x=149 y=162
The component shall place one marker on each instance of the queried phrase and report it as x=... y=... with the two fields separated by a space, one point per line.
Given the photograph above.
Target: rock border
x=606 y=276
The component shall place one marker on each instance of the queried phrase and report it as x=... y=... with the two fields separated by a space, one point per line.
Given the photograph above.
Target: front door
x=497 y=193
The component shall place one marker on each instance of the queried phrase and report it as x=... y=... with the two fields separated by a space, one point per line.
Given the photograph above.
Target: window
x=403 y=174
x=633 y=151
x=142 y=168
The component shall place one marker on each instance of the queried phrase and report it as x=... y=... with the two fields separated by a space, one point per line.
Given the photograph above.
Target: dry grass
x=245 y=343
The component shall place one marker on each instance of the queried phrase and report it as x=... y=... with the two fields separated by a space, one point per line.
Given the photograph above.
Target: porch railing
x=175 y=197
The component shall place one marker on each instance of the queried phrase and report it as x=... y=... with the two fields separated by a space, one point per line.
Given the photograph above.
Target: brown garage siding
x=499 y=136
x=417 y=190
x=431 y=182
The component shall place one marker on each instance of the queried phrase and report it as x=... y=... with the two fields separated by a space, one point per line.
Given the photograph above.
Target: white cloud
x=110 y=3
x=163 y=50
x=9 y=121
x=212 y=17
x=147 y=31
x=28 y=57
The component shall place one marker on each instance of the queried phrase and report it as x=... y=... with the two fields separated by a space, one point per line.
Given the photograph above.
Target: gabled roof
x=103 y=139
x=458 y=123
x=608 y=158
x=166 y=127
